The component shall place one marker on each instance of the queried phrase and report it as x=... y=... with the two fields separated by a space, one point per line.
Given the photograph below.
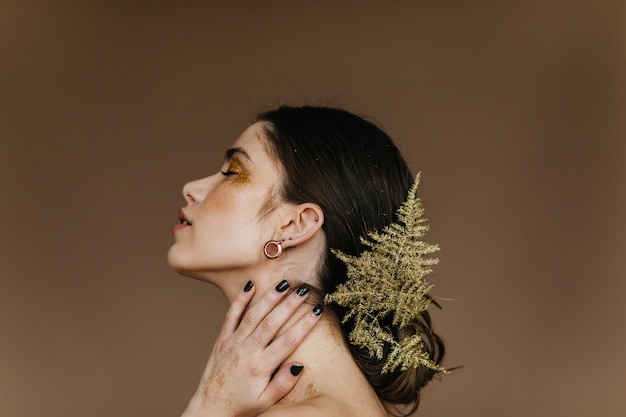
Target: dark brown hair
x=354 y=172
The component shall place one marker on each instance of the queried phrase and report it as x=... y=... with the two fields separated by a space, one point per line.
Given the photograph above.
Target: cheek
x=233 y=204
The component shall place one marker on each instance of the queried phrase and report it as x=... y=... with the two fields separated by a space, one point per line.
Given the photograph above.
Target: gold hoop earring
x=273 y=249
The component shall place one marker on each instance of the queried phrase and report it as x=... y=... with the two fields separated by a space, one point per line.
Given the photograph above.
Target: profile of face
x=312 y=178
x=222 y=229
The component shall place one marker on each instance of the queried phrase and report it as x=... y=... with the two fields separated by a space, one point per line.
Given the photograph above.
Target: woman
x=275 y=230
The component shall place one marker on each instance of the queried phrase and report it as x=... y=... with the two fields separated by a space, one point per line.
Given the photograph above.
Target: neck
x=265 y=275
x=324 y=352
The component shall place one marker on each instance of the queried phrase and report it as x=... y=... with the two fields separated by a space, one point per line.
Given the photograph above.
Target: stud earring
x=273 y=249
x=316 y=218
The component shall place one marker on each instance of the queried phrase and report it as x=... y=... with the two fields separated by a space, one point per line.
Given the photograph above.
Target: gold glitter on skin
x=205 y=392
x=218 y=380
x=246 y=322
x=242 y=176
x=311 y=392
x=234 y=364
x=300 y=395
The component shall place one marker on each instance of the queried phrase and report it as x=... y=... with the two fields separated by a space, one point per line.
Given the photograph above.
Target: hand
x=244 y=376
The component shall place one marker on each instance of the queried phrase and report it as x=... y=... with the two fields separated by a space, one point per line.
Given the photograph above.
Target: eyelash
x=228 y=173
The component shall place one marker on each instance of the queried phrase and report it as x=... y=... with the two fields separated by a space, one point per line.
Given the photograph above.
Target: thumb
x=284 y=380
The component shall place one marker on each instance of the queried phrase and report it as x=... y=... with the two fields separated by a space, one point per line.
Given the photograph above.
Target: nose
x=195 y=191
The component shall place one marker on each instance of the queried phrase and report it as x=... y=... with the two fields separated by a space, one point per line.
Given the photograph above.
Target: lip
x=183 y=221
x=179 y=227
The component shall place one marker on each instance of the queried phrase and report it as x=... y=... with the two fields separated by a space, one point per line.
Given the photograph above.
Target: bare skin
x=268 y=335
x=238 y=378
x=332 y=385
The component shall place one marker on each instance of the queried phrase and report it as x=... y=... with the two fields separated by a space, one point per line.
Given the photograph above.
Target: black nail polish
x=302 y=290
x=317 y=310
x=248 y=286
x=296 y=369
x=282 y=286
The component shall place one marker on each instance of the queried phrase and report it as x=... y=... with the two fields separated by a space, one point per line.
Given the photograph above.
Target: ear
x=302 y=222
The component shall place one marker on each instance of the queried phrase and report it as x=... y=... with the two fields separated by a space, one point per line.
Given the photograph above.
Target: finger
x=259 y=310
x=284 y=380
x=279 y=316
x=237 y=308
x=285 y=344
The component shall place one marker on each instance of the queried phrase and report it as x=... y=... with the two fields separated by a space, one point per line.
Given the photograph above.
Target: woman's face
x=221 y=228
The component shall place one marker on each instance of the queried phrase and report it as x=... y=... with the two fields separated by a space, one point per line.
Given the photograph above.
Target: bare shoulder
x=324 y=407
x=315 y=409
x=300 y=410
x=332 y=385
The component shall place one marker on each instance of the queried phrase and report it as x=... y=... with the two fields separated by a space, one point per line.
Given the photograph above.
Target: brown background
x=511 y=111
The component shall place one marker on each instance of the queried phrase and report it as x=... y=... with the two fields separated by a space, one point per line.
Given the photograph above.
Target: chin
x=182 y=265
x=176 y=261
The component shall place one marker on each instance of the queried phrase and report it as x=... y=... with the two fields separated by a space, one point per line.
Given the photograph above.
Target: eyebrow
x=234 y=151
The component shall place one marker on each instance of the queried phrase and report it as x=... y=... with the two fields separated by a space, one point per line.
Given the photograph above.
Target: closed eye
x=234 y=168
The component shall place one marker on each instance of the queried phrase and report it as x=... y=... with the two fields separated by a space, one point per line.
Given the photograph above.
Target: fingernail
x=282 y=286
x=302 y=290
x=317 y=310
x=248 y=286
x=296 y=369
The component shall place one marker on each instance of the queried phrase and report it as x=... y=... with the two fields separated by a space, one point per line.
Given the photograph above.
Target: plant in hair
x=389 y=279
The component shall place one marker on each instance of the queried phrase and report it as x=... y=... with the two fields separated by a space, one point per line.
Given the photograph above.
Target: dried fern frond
x=387 y=279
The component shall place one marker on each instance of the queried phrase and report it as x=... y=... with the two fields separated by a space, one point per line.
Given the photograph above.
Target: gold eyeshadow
x=242 y=175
